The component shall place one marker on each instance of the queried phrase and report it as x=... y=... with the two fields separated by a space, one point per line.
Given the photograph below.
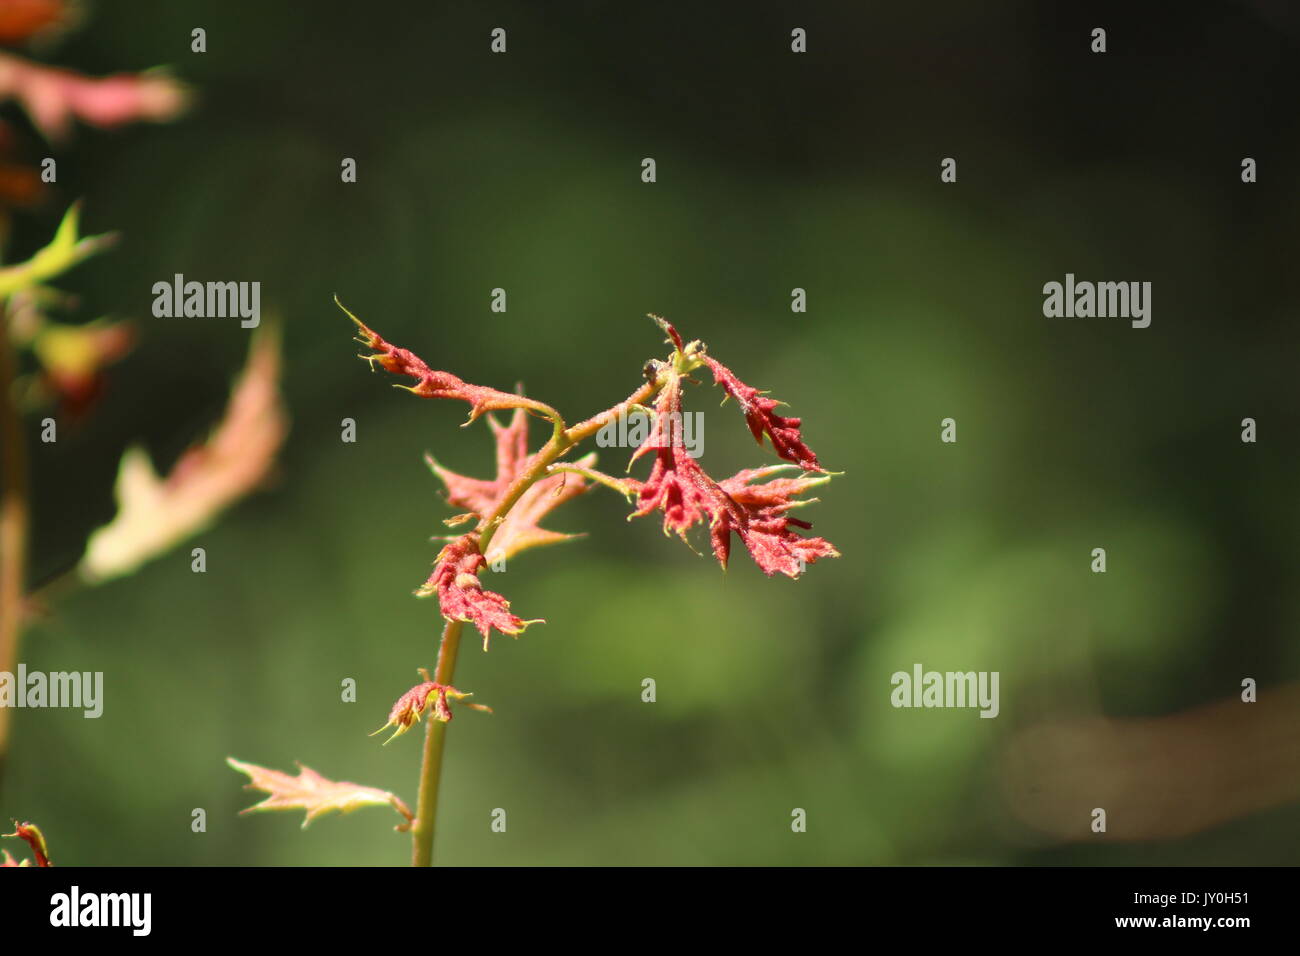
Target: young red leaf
x=520 y=530
x=777 y=493
x=311 y=792
x=674 y=337
x=758 y=518
x=408 y=708
x=480 y=496
x=461 y=594
x=761 y=417
x=431 y=383
x=687 y=496
x=677 y=486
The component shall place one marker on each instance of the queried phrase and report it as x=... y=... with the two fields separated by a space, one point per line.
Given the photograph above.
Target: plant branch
x=599 y=477
x=584 y=430
x=13 y=524
x=435 y=734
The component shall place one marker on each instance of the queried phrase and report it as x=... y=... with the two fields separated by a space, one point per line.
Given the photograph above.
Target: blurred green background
x=775 y=170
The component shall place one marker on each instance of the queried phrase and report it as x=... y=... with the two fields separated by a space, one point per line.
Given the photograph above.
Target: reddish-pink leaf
x=476 y=494
x=54 y=97
x=687 y=496
x=771 y=540
x=761 y=416
x=431 y=383
x=520 y=530
x=778 y=494
x=677 y=486
x=461 y=594
x=408 y=708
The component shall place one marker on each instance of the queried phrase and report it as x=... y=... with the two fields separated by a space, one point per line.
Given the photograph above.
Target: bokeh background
x=775 y=170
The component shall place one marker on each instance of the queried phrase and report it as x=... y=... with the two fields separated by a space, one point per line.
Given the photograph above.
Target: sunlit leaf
x=311 y=792
x=156 y=514
x=53 y=97
x=64 y=251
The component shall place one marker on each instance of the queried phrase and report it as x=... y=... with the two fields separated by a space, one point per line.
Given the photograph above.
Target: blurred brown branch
x=1157 y=778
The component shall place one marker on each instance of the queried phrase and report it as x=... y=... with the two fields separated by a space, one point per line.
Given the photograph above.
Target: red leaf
x=520 y=530
x=461 y=594
x=431 y=383
x=477 y=495
x=761 y=417
x=408 y=708
x=677 y=486
x=687 y=496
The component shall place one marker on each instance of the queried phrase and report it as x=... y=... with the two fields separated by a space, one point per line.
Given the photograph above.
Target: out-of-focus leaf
x=64 y=251
x=54 y=97
x=311 y=792
x=25 y=19
x=74 y=358
x=156 y=514
x=30 y=834
x=20 y=186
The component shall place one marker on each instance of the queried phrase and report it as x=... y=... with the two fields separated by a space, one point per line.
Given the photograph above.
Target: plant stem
x=13 y=525
x=435 y=733
x=594 y=424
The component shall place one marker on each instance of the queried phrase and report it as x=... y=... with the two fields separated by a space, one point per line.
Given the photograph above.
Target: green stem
x=435 y=735
x=599 y=477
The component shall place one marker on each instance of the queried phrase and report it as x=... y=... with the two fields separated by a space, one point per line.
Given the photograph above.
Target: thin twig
x=13 y=523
